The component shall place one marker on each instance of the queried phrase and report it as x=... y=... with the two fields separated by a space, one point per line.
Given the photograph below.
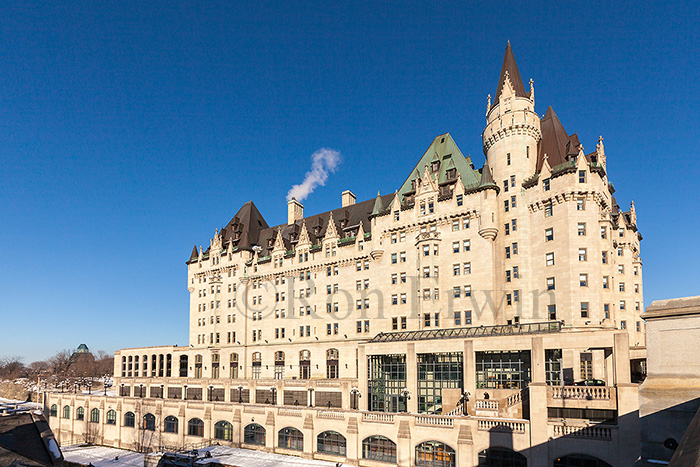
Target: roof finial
x=488 y=103
x=532 y=90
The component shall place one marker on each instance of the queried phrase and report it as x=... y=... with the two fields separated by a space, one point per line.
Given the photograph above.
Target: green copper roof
x=444 y=150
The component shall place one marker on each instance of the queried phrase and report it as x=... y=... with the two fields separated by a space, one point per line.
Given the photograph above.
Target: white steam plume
x=323 y=162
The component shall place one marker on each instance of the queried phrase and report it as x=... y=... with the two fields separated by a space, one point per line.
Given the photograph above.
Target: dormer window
x=451 y=173
x=317 y=230
x=435 y=166
x=293 y=236
x=343 y=224
x=270 y=242
x=413 y=184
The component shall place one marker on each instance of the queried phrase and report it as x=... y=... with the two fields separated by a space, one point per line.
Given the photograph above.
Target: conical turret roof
x=511 y=68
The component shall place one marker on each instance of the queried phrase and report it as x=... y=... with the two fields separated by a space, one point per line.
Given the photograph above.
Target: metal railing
x=475 y=331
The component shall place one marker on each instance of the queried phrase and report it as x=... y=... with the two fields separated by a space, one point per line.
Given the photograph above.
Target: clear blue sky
x=130 y=131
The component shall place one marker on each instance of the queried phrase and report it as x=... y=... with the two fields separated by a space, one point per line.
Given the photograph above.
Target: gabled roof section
x=244 y=229
x=556 y=143
x=444 y=150
x=511 y=68
x=195 y=254
x=345 y=219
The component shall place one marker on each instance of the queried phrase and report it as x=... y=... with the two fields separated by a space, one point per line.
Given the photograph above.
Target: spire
x=486 y=175
x=509 y=70
x=377 y=205
x=195 y=255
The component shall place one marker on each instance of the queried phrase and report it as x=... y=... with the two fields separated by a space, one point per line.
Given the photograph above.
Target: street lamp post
x=464 y=400
x=354 y=396
x=406 y=394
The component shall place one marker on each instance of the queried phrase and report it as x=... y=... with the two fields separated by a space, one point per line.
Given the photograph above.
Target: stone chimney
x=295 y=211
x=348 y=198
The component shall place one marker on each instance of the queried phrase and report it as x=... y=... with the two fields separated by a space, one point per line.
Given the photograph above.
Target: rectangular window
x=455 y=247
x=467 y=268
x=512 y=201
x=394 y=324
x=506 y=228
x=506 y=206
x=403 y=298
x=583 y=280
x=458 y=318
x=606 y=310
x=552 y=312
x=466 y=245
x=550 y=283
x=546 y=184
x=606 y=282
x=582 y=255
x=403 y=277
x=605 y=257
x=402 y=256
x=467 y=290
x=549 y=257
x=394 y=279
x=507 y=252
x=584 y=309
x=394 y=258
x=582 y=176
x=455 y=269
x=548 y=210
x=581 y=229
x=514 y=224
x=426 y=320
x=622 y=286
x=580 y=204
x=456 y=292
x=515 y=248
x=505 y=186
x=460 y=200
x=623 y=324
x=603 y=233
x=465 y=223
x=549 y=234
x=455 y=226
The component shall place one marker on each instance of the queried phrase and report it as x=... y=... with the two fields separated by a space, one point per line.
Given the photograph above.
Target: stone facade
x=515 y=279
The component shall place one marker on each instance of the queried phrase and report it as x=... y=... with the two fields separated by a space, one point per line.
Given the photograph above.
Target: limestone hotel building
x=443 y=324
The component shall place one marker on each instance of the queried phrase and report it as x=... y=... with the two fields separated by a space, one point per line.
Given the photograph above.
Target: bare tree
x=12 y=367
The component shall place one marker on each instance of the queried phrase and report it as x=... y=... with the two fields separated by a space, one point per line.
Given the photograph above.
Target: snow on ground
x=102 y=456
x=249 y=458
x=11 y=404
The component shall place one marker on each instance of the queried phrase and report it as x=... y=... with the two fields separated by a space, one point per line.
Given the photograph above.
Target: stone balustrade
x=581 y=392
x=380 y=417
x=601 y=432
x=513 y=426
x=434 y=420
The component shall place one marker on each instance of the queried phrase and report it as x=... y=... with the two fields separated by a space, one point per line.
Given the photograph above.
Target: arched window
x=80 y=414
x=254 y=434
x=497 y=456
x=304 y=364
x=95 y=416
x=332 y=363
x=66 y=411
x=579 y=460
x=53 y=412
x=223 y=430
x=233 y=366
x=144 y=368
x=183 y=366
x=195 y=427
x=129 y=419
x=435 y=454
x=290 y=438
x=170 y=424
x=379 y=448
x=197 y=366
x=331 y=442
x=149 y=422
x=279 y=365
x=123 y=367
x=111 y=417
